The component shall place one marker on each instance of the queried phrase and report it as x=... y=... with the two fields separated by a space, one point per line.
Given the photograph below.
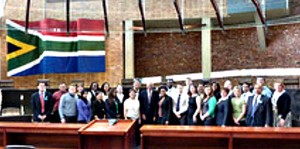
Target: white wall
x=2 y=4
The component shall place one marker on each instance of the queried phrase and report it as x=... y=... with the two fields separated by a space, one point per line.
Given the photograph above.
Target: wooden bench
x=41 y=135
x=69 y=136
x=192 y=137
x=100 y=134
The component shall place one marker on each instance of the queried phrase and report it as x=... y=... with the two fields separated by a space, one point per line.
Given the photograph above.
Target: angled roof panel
x=244 y=6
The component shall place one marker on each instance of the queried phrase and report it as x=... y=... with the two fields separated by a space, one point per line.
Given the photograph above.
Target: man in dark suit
x=148 y=104
x=259 y=109
x=41 y=102
x=137 y=87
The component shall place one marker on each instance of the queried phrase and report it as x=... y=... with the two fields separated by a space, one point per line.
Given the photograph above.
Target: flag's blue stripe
x=81 y=64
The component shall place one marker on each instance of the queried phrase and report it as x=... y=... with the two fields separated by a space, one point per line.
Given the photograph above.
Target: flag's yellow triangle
x=25 y=48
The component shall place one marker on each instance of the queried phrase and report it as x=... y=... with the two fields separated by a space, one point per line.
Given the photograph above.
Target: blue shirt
x=265 y=91
x=84 y=111
x=67 y=105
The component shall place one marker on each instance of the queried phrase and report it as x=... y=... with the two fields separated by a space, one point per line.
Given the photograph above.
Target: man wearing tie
x=180 y=105
x=148 y=104
x=41 y=103
x=259 y=109
x=265 y=90
x=136 y=86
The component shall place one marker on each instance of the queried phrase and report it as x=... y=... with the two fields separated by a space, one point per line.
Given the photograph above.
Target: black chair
x=19 y=147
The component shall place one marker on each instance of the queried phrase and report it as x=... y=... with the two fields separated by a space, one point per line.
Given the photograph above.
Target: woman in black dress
x=163 y=111
x=112 y=105
x=223 y=109
x=194 y=106
x=98 y=107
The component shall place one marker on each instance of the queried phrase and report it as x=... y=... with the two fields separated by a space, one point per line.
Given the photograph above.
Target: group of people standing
x=208 y=104
x=74 y=104
x=204 y=104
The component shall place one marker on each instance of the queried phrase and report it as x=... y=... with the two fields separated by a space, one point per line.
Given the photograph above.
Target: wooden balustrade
x=68 y=136
x=180 y=137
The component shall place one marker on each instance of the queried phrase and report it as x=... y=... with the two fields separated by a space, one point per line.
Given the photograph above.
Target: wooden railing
x=98 y=133
x=154 y=136
x=42 y=135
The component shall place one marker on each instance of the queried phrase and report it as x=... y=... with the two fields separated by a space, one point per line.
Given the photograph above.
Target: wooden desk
x=218 y=137
x=16 y=118
x=100 y=134
x=259 y=137
x=41 y=135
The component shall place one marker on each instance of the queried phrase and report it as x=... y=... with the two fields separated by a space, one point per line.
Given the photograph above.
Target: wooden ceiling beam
x=175 y=2
x=217 y=10
x=68 y=16
x=105 y=17
x=27 y=15
x=260 y=14
x=141 y=8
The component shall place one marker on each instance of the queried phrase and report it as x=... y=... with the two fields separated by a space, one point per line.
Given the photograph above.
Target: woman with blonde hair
x=238 y=107
x=281 y=102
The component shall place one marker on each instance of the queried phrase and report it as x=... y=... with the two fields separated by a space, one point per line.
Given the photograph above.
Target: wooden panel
x=130 y=136
x=102 y=127
x=66 y=136
x=1 y=137
x=184 y=137
x=63 y=141
x=41 y=135
x=43 y=128
x=112 y=142
x=184 y=143
x=266 y=143
x=219 y=137
x=101 y=133
x=16 y=118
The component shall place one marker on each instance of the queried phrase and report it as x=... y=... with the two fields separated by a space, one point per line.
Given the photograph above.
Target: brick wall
x=175 y=52
x=118 y=11
x=3 y=54
x=294 y=7
x=237 y=49
x=164 y=54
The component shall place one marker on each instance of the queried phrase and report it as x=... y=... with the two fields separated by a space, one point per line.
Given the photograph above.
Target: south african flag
x=47 y=48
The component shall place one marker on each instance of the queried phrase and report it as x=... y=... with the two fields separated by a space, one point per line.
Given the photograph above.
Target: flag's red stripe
x=58 y=28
